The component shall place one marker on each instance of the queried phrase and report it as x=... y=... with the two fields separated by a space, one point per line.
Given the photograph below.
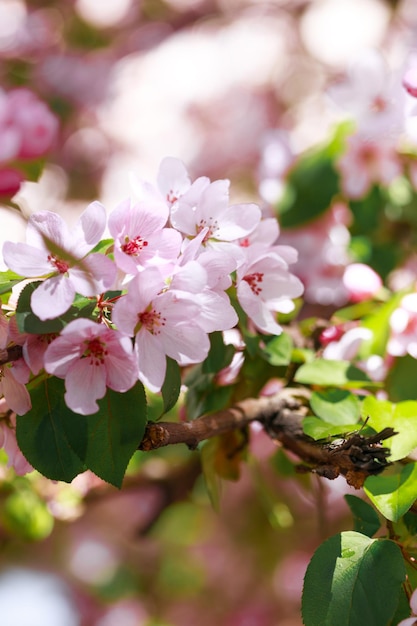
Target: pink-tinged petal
x=93 y=275
x=192 y=277
x=53 y=297
x=4 y=331
x=183 y=213
x=151 y=360
x=172 y=179
x=121 y=363
x=186 y=343
x=139 y=220
x=237 y=221
x=216 y=312
x=20 y=371
x=46 y=228
x=85 y=383
x=89 y=228
x=61 y=354
x=16 y=394
x=163 y=246
x=125 y=315
x=257 y=310
x=26 y=260
x=34 y=351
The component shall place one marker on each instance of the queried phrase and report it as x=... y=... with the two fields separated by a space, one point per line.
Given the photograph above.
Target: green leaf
x=112 y=434
x=378 y=323
x=172 y=385
x=336 y=406
x=310 y=188
x=393 y=494
x=401 y=379
x=402 y=417
x=212 y=479
x=366 y=520
x=353 y=580
x=318 y=429
x=28 y=322
x=8 y=280
x=278 y=350
x=42 y=438
x=328 y=373
x=219 y=356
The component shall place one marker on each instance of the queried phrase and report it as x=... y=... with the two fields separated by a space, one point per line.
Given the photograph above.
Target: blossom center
x=152 y=320
x=59 y=264
x=95 y=351
x=212 y=226
x=254 y=281
x=133 y=247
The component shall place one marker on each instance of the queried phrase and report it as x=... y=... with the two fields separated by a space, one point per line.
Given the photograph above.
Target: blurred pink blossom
x=27 y=126
x=372 y=95
x=403 y=323
x=322 y=255
x=361 y=282
x=367 y=162
x=15 y=458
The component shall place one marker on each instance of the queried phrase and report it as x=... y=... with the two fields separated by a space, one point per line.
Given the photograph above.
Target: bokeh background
x=236 y=89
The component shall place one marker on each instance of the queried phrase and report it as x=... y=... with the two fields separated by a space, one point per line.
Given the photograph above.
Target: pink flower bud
x=10 y=181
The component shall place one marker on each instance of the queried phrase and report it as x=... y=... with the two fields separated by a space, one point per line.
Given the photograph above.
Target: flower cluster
x=179 y=256
x=28 y=130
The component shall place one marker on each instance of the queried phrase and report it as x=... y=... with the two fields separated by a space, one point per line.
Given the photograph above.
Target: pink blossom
x=172 y=182
x=322 y=255
x=264 y=286
x=206 y=205
x=372 y=94
x=13 y=376
x=140 y=238
x=346 y=348
x=59 y=254
x=36 y=124
x=27 y=127
x=403 y=323
x=277 y=157
x=15 y=458
x=367 y=162
x=164 y=323
x=91 y=357
x=361 y=282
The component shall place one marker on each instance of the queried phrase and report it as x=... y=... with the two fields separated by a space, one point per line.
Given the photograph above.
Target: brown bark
x=354 y=456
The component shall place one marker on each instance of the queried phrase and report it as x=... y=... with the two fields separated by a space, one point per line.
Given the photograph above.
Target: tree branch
x=13 y=353
x=355 y=456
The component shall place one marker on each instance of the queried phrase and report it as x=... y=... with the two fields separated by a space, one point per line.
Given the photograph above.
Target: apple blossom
x=59 y=254
x=367 y=162
x=322 y=255
x=140 y=238
x=91 y=357
x=403 y=323
x=13 y=375
x=264 y=286
x=15 y=458
x=207 y=206
x=372 y=94
x=163 y=322
x=361 y=282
